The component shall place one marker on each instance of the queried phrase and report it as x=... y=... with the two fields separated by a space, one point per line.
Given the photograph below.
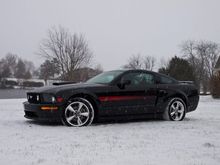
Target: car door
x=144 y=82
x=151 y=92
x=135 y=97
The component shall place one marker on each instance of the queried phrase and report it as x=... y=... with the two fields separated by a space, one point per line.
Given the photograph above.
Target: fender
x=162 y=101
x=67 y=95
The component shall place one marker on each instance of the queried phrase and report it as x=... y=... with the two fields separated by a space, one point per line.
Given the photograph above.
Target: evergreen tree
x=20 y=69
x=48 y=69
x=179 y=68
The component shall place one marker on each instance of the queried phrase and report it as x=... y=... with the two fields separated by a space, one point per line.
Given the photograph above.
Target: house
x=217 y=66
x=83 y=74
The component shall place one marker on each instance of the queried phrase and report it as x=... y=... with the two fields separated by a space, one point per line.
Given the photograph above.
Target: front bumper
x=36 y=112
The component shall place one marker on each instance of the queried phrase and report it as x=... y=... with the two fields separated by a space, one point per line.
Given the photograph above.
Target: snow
x=194 y=141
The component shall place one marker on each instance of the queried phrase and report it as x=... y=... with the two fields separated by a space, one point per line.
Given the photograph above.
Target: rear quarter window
x=166 y=80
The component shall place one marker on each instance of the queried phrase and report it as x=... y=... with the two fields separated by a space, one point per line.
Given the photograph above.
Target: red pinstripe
x=119 y=98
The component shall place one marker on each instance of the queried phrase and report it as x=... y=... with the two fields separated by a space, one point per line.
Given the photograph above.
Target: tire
x=78 y=112
x=175 y=110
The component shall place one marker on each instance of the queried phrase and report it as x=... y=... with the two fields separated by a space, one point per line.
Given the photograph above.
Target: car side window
x=166 y=80
x=139 y=78
x=147 y=78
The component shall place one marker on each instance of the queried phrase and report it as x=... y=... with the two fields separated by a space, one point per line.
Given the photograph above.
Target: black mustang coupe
x=128 y=94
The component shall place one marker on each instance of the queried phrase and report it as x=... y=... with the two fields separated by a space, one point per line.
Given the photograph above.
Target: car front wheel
x=79 y=112
x=175 y=110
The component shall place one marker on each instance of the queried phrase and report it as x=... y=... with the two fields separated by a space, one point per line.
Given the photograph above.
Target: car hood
x=55 y=89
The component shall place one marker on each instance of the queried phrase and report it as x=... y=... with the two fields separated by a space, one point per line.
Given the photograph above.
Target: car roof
x=131 y=70
x=143 y=70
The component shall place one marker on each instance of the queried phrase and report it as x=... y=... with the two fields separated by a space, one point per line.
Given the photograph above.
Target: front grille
x=34 y=98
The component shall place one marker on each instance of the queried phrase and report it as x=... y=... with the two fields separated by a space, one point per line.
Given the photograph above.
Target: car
x=117 y=94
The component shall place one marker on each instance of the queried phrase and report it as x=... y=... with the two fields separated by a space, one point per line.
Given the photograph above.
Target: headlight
x=48 y=98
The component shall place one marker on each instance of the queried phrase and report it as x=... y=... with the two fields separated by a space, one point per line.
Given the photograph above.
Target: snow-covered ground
x=194 y=141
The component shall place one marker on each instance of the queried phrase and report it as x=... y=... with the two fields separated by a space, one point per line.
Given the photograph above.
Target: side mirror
x=123 y=83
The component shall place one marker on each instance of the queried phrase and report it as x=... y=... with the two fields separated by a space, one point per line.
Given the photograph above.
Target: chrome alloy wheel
x=177 y=110
x=77 y=114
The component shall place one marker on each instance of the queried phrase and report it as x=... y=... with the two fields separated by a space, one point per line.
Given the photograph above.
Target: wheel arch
x=181 y=96
x=92 y=99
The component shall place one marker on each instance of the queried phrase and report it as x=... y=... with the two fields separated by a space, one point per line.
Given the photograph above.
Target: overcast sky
x=115 y=29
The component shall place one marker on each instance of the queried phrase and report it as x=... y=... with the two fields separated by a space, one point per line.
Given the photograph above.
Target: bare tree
x=188 y=49
x=164 y=62
x=149 y=62
x=10 y=62
x=98 y=69
x=213 y=52
x=4 y=70
x=12 y=66
x=29 y=65
x=202 y=55
x=139 y=62
x=70 y=51
x=7 y=67
x=134 y=62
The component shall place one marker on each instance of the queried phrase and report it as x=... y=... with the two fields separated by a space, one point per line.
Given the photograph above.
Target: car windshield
x=104 y=78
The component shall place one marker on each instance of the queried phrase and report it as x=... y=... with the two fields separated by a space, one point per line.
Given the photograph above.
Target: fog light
x=53 y=99
x=47 y=108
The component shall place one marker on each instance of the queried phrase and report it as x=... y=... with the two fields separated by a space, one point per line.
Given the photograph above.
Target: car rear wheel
x=175 y=110
x=79 y=112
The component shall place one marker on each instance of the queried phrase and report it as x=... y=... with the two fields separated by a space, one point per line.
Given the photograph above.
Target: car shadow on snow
x=191 y=119
x=43 y=123
x=99 y=123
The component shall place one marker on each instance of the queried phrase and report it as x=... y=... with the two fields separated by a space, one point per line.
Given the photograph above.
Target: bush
x=32 y=84
x=11 y=82
x=7 y=84
x=215 y=85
